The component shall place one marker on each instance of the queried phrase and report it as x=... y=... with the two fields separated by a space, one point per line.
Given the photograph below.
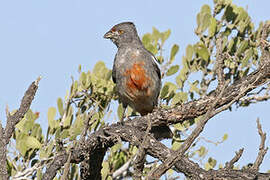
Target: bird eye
x=120 y=31
x=113 y=29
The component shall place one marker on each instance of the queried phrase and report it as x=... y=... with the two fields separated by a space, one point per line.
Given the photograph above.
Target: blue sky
x=51 y=38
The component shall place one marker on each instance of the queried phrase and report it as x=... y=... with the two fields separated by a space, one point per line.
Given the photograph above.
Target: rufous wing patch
x=137 y=78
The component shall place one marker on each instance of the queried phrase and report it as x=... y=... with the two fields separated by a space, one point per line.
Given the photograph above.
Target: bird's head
x=122 y=33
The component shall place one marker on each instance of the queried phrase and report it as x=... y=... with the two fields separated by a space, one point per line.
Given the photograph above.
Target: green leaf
x=79 y=68
x=164 y=91
x=116 y=147
x=207 y=166
x=205 y=22
x=83 y=79
x=203 y=19
x=76 y=128
x=179 y=97
x=202 y=51
x=170 y=172
x=172 y=70
x=146 y=39
x=105 y=170
x=165 y=35
x=120 y=111
x=212 y=162
x=179 y=80
x=202 y=151
x=242 y=47
x=229 y=13
x=212 y=27
x=231 y=45
x=98 y=66
x=193 y=86
x=247 y=57
x=242 y=14
x=176 y=145
x=67 y=120
x=64 y=134
x=206 y=9
x=20 y=143
x=156 y=34
x=51 y=117
x=32 y=142
x=100 y=70
x=225 y=137
x=60 y=106
x=174 y=50
x=189 y=52
x=171 y=88
x=20 y=126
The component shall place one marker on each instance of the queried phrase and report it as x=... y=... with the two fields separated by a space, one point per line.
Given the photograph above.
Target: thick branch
x=12 y=120
x=108 y=137
x=24 y=107
x=141 y=154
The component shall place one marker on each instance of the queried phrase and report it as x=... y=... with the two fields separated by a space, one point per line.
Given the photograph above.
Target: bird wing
x=114 y=74
x=156 y=66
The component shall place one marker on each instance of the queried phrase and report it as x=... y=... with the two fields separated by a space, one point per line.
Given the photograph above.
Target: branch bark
x=12 y=120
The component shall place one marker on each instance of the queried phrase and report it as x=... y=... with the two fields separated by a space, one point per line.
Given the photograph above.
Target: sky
x=51 y=38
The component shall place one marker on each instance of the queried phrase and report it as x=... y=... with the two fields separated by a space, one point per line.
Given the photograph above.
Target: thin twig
x=262 y=149
x=238 y=154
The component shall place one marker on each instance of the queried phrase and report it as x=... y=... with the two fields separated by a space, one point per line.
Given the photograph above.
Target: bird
x=136 y=73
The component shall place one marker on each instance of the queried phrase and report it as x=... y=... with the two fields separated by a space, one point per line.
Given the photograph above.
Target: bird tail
x=161 y=132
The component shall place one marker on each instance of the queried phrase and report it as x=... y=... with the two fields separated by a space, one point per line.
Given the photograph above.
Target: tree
x=233 y=60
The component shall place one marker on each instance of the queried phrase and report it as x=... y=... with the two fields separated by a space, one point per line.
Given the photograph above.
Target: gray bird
x=135 y=72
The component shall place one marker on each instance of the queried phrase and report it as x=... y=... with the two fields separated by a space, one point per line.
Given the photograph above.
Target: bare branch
x=255 y=99
x=24 y=107
x=220 y=63
x=265 y=45
x=262 y=149
x=229 y=165
x=12 y=120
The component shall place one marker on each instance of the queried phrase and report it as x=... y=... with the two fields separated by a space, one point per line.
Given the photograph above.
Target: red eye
x=113 y=29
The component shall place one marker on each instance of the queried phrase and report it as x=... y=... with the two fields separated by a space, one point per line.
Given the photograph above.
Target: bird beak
x=108 y=35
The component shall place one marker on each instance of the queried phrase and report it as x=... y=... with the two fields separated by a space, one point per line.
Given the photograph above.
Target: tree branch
x=12 y=120
x=141 y=154
x=229 y=165
x=262 y=149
